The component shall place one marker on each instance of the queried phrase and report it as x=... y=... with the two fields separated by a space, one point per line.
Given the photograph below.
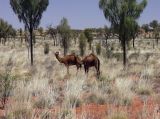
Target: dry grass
x=46 y=85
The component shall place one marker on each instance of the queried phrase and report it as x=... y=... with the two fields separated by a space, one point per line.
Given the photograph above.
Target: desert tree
x=4 y=28
x=157 y=34
x=134 y=32
x=121 y=14
x=53 y=33
x=6 y=31
x=40 y=31
x=21 y=35
x=88 y=34
x=65 y=33
x=11 y=33
x=154 y=24
x=30 y=13
x=145 y=27
x=82 y=44
x=74 y=36
x=107 y=33
x=98 y=48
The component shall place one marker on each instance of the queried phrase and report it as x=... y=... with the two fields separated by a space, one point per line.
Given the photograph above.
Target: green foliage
x=64 y=30
x=6 y=30
x=74 y=102
x=93 y=98
x=88 y=34
x=123 y=15
x=145 y=27
x=20 y=113
x=52 y=32
x=46 y=115
x=6 y=83
x=82 y=44
x=46 y=48
x=119 y=116
x=30 y=13
x=156 y=29
x=41 y=103
x=98 y=48
x=40 y=30
x=154 y=24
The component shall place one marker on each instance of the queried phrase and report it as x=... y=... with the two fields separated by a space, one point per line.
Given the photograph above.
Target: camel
x=90 y=61
x=69 y=60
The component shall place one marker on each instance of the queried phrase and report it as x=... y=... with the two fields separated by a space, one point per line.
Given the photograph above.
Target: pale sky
x=80 y=13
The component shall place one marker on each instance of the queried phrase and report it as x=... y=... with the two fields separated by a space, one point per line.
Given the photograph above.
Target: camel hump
x=92 y=54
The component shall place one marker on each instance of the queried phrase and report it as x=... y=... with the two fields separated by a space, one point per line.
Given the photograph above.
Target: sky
x=80 y=13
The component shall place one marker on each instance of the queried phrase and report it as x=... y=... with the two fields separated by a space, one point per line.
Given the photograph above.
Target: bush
x=119 y=116
x=98 y=48
x=73 y=101
x=46 y=115
x=20 y=113
x=42 y=103
x=82 y=44
x=93 y=98
x=118 y=56
x=46 y=48
x=144 y=87
x=6 y=83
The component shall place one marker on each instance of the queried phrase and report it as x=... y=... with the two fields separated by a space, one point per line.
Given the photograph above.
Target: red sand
x=137 y=110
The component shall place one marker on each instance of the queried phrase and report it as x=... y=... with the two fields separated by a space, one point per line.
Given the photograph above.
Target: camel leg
x=67 y=69
x=87 y=70
x=77 y=69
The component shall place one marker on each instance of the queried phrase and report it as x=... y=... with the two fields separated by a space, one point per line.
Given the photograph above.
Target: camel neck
x=59 y=59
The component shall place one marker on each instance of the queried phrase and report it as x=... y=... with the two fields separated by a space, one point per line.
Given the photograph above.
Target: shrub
x=119 y=116
x=46 y=48
x=144 y=87
x=98 y=48
x=82 y=44
x=46 y=115
x=118 y=56
x=64 y=114
x=75 y=102
x=93 y=98
x=20 y=113
x=109 y=52
x=40 y=103
x=6 y=83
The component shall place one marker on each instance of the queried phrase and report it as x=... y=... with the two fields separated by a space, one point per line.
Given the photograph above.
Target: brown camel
x=90 y=61
x=69 y=60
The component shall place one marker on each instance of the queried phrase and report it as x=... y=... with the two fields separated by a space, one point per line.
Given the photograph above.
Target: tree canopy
x=30 y=13
x=65 y=33
x=122 y=14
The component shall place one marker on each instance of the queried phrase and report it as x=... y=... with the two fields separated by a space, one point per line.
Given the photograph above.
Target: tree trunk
x=21 y=40
x=90 y=45
x=54 y=40
x=133 y=42
x=31 y=44
x=65 y=51
x=153 y=44
x=157 y=42
x=124 y=51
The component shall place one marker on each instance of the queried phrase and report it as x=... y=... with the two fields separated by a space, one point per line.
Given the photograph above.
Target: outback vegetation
x=95 y=73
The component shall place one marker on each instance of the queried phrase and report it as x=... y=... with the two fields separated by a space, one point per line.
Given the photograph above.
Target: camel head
x=56 y=53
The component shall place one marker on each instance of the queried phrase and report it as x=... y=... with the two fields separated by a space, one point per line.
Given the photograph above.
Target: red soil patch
x=138 y=109
x=2 y=113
